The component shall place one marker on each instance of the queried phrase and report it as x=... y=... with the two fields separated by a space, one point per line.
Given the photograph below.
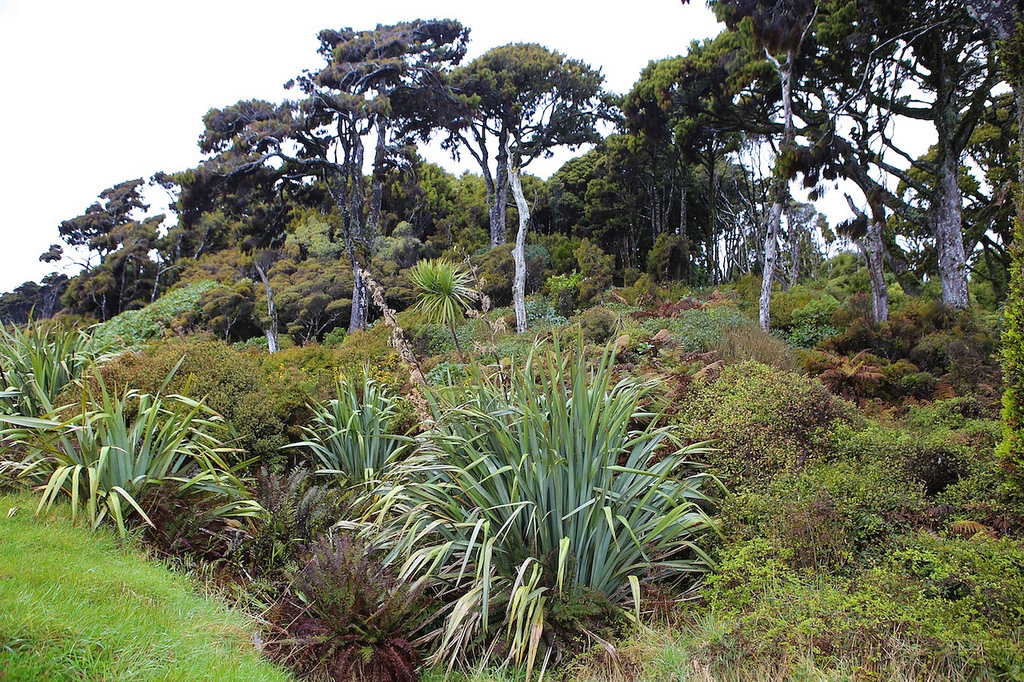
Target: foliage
x=1011 y=450
x=81 y=606
x=595 y=270
x=38 y=362
x=353 y=435
x=444 y=292
x=812 y=323
x=765 y=422
x=231 y=383
x=353 y=619
x=108 y=456
x=172 y=313
x=850 y=377
x=939 y=608
x=297 y=513
x=526 y=484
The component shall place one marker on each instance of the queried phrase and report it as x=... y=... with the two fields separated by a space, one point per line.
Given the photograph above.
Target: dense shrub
x=230 y=383
x=933 y=608
x=175 y=312
x=764 y=422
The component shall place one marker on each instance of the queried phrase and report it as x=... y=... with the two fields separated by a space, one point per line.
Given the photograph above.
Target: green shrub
x=229 y=382
x=764 y=422
x=174 y=311
x=932 y=608
x=599 y=325
x=812 y=323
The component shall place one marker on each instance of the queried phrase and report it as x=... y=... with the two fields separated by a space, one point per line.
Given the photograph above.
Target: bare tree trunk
x=501 y=183
x=360 y=299
x=872 y=247
x=875 y=253
x=794 y=248
x=771 y=256
x=781 y=192
x=271 y=330
x=949 y=241
x=519 y=252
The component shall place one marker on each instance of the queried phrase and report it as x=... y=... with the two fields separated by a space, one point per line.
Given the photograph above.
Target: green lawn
x=74 y=605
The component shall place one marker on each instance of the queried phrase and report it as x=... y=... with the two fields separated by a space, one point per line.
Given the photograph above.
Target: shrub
x=175 y=311
x=599 y=324
x=352 y=619
x=106 y=458
x=930 y=608
x=812 y=323
x=229 y=382
x=526 y=485
x=764 y=422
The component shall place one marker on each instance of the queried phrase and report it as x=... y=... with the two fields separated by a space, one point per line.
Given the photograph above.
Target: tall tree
x=520 y=101
x=374 y=83
x=113 y=229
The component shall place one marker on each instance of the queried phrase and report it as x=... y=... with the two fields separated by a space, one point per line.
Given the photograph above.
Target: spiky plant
x=39 y=361
x=555 y=487
x=350 y=617
x=444 y=292
x=353 y=435
x=115 y=448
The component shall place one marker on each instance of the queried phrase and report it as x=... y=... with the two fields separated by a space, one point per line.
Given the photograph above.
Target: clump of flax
x=397 y=340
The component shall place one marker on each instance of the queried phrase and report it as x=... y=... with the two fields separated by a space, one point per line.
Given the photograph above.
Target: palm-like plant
x=353 y=436
x=445 y=292
x=544 y=489
x=116 y=448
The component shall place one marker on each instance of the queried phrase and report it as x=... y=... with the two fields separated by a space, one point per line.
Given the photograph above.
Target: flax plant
x=554 y=486
x=115 y=449
x=353 y=435
x=37 y=362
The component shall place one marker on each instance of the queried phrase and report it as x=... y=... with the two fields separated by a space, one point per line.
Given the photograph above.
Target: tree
x=126 y=274
x=444 y=293
x=376 y=83
x=520 y=101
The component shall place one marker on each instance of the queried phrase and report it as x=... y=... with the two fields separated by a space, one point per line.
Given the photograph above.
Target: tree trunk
x=519 y=252
x=271 y=330
x=771 y=256
x=794 y=249
x=360 y=298
x=781 y=192
x=949 y=241
x=497 y=210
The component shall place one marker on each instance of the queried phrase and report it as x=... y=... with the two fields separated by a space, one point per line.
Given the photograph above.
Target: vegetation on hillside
x=681 y=428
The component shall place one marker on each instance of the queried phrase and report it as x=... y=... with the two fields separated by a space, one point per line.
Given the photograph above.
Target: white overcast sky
x=96 y=92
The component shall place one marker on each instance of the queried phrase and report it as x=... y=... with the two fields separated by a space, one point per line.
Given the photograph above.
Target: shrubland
x=647 y=488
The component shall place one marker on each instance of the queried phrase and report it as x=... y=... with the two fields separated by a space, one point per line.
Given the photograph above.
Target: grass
x=78 y=606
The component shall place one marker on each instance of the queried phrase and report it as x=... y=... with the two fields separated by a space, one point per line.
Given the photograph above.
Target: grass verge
x=78 y=606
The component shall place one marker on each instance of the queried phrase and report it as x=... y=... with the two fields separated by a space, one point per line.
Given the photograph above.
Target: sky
x=94 y=93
